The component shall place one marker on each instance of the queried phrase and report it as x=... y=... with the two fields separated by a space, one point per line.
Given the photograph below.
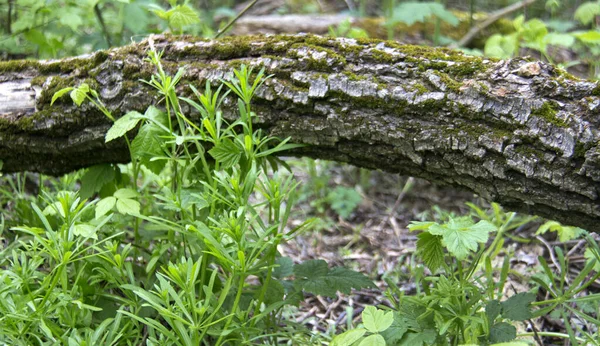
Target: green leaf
x=78 y=94
x=396 y=330
x=70 y=19
x=500 y=46
x=431 y=250
x=125 y=193
x=182 y=15
x=60 y=93
x=85 y=230
x=314 y=276
x=565 y=233
x=587 y=12
x=376 y=320
x=412 y=12
x=512 y=343
x=460 y=236
x=285 y=267
x=348 y=338
x=517 y=307
x=128 y=206
x=502 y=332
x=557 y=39
x=492 y=310
x=589 y=37
x=373 y=340
x=95 y=178
x=227 y=153
x=147 y=144
x=426 y=337
x=123 y=125
x=344 y=200
x=589 y=256
x=104 y=206
x=420 y=225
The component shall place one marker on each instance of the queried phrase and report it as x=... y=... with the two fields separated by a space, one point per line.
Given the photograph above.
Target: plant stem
x=222 y=31
x=98 y=14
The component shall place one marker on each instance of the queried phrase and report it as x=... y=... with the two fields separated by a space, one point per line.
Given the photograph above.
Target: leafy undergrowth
x=204 y=240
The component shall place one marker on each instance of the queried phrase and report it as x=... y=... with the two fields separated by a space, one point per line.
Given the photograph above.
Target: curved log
x=521 y=133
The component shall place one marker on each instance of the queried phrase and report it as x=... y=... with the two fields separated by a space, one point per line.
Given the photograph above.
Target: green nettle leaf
x=85 y=230
x=123 y=125
x=79 y=94
x=460 y=236
x=60 y=93
x=587 y=12
x=426 y=337
x=565 y=233
x=500 y=46
x=590 y=256
x=104 y=206
x=348 y=338
x=431 y=250
x=373 y=340
x=517 y=307
x=95 y=178
x=182 y=15
x=314 y=276
x=396 y=330
x=492 y=310
x=376 y=320
x=227 y=153
x=125 y=193
x=128 y=206
x=284 y=269
x=147 y=144
x=502 y=332
x=412 y=12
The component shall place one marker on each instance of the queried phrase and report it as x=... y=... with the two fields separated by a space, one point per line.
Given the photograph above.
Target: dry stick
x=489 y=21
x=236 y=18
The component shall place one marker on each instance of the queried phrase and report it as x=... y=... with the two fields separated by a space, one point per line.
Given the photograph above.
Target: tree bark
x=519 y=132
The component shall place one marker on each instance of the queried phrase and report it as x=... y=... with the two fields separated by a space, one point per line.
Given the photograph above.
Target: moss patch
x=548 y=112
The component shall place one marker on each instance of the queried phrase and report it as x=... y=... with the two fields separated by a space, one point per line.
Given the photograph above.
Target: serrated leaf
x=85 y=230
x=123 y=125
x=517 y=307
x=373 y=340
x=314 y=276
x=431 y=250
x=413 y=12
x=147 y=143
x=589 y=256
x=78 y=94
x=502 y=332
x=285 y=267
x=60 y=93
x=426 y=337
x=348 y=338
x=128 y=206
x=376 y=320
x=420 y=225
x=587 y=12
x=492 y=310
x=104 y=206
x=394 y=333
x=460 y=236
x=125 y=193
x=227 y=153
x=95 y=178
x=182 y=15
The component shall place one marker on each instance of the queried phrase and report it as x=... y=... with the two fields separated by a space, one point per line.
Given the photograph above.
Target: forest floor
x=375 y=240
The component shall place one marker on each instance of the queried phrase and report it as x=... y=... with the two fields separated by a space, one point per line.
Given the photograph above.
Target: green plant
x=410 y=13
x=346 y=29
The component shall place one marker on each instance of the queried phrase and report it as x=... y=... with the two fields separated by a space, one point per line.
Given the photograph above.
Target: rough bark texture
x=518 y=132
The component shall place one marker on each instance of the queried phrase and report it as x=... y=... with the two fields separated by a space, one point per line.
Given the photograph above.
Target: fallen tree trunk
x=517 y=132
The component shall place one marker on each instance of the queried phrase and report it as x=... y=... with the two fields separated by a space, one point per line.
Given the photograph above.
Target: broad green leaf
x=517 y=307
x=413 y=12
x=60 y=93
x=534 y=30
x=500 y=46
x=512 y=343
x=426 y=337
x=502 y=332
x=227 y=153
x=284 y=269
x=70 y=19
x=348 y=338
x=123 y=125
x=460 y=236
x=128 y=206
x=431 y=250
x=182 y=15
x=125 y=193
x=373 y=340
x=557 y=39
x=589 y=256
x=394 y=333
x=589 y=37
x=147 y=144
x=565 y=233
x=314 y=276
x=492 y=310
x=78 y=94
x=376 y=320
x=85 y=230
x=420 y=225
x=587 y=12
x=104 y=206
x=95 y=178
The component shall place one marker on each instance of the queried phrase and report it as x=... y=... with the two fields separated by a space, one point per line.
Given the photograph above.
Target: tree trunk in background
x=518 y=132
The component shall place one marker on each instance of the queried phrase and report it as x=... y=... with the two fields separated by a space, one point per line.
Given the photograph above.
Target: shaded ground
x=375 y=240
